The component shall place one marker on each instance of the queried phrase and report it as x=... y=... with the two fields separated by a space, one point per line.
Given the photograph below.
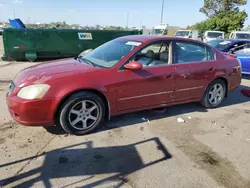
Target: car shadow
x=235 y=97
x=84 y=160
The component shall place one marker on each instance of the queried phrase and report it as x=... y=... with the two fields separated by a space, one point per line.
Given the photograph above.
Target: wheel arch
x=220 y=78
x=95 y=91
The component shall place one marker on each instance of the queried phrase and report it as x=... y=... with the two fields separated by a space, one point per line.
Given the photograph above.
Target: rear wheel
x=82 y=113
x=214 y=94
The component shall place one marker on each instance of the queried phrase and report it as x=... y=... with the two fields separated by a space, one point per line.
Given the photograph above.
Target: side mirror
x=133 y=65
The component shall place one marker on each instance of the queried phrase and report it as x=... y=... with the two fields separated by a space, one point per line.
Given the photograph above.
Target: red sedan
x=127 y=74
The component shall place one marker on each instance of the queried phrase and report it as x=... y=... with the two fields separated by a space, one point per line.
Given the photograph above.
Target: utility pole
x=127 y=18
x=162 y=9
x=14 y=14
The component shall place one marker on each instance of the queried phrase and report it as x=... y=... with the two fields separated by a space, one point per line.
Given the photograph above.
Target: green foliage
x=113 y=28
x=223 y=15
x=213 y=7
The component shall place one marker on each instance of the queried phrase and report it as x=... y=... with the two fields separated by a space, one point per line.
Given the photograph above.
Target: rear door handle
x=211 y=69
x=169 y=76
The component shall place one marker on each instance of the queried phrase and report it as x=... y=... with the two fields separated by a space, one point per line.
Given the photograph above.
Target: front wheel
x=82 y=113
x=214 y=94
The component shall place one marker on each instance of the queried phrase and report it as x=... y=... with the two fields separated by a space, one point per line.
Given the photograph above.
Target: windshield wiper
x=86 y=60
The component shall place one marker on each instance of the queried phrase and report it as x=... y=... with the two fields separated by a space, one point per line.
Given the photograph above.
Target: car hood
x=47 y=71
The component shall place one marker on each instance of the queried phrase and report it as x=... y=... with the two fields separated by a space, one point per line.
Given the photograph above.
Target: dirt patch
x=5 y=81
x=2 y=140
x=207 y=158
x=7 y=64
x=11 y=135
x=7 y=126
x=23 y=146
x=247 y=111
x=219 y=168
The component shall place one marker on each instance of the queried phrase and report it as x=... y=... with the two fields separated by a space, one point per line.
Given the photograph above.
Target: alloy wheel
x=83 y=115
x=215 y=94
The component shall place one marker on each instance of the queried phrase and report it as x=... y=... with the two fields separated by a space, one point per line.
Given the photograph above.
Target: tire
x=73 y=110
x=207 y=96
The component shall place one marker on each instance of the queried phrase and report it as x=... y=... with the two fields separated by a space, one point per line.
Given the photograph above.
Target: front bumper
x=31 y=112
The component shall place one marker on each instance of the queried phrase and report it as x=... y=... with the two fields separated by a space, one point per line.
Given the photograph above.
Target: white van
x=211 y=35
x=240 y=35
x=193 y=34
x=160 y=29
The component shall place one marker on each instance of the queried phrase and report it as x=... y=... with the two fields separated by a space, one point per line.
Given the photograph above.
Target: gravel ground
x=144 y=149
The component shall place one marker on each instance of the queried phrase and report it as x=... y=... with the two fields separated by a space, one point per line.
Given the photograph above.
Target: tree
x=223 y=15
x=213 y=7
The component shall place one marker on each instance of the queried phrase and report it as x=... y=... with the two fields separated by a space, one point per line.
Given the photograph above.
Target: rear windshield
x=214 y=34
x=157 y=31
x=182 y=33
x=242 y=35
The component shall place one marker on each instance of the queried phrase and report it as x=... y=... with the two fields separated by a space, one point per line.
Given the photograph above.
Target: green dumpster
x=31 y=44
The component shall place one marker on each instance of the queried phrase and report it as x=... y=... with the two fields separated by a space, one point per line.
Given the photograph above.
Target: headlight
x=33 y=91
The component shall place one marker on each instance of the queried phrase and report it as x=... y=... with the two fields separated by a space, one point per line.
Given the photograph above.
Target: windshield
x=110 y=53
x=182 y=33
x=242 y=35
x=219 y=44
x=157 y=31
x=214 y=35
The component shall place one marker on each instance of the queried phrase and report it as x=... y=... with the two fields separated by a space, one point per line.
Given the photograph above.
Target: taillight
x=231 y=55
x=240 y=65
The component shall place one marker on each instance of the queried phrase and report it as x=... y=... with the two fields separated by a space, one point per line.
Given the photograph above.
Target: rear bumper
x=31 y=112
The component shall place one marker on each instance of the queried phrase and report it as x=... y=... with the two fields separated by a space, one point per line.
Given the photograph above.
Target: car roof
x=149 y=38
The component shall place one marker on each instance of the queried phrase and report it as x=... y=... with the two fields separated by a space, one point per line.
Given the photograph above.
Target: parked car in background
x=240 y=35
x=243 y=54
x=124 y=75
x=241 y=48
x=211 y=35
x=226 y=44
x=201 y=37
x=161 y=29
x=192 y=34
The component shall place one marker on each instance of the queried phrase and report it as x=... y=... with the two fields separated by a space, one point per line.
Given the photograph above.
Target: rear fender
x=219 y=75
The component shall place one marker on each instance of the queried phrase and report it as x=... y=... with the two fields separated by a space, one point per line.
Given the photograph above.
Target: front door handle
x=168 y=76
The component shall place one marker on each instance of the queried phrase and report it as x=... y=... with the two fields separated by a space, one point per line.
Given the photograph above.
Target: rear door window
x=187 y=52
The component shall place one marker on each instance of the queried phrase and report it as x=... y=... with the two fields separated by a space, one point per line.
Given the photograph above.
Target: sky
x=106 y=12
